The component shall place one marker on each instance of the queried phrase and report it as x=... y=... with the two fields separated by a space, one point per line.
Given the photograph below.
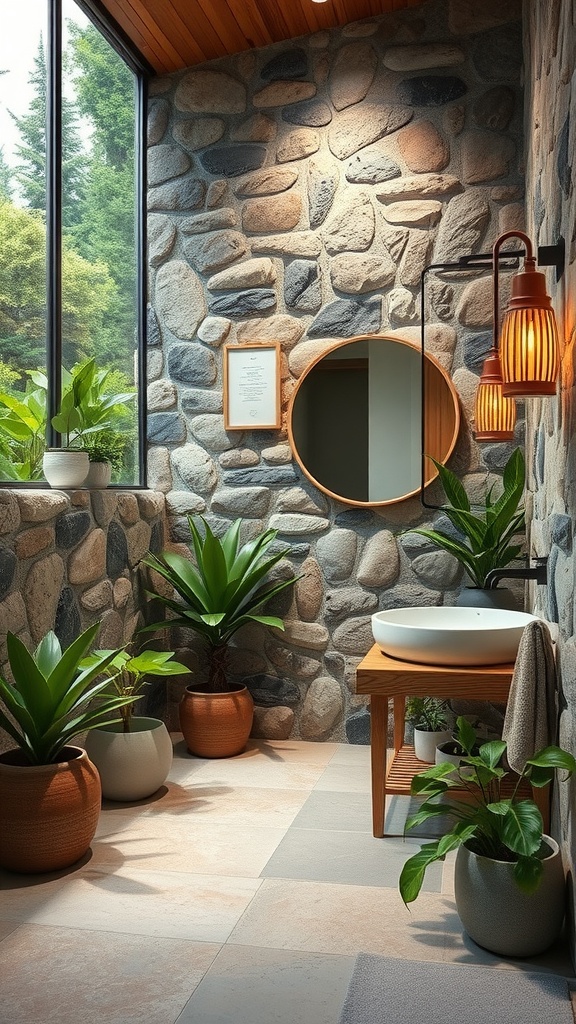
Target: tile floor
x=239 y=894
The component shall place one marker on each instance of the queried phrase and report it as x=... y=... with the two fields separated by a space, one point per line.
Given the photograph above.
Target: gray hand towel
x=531 y=713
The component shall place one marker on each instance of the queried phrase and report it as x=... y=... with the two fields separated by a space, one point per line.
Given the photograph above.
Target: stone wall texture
x=550 y=31
x=296 y=193
x=69 y=559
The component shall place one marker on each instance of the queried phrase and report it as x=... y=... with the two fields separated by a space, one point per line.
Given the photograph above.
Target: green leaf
x=522 y=828
x=412 y=874
x=465 y=734
x=452 y=486
x=29 y=682
x=528 y=872
x=491 y=753
x=554 y=757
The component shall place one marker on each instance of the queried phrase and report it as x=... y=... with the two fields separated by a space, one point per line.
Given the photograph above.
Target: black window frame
x=115 y=36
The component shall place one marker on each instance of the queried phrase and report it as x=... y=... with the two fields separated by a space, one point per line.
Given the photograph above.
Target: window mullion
x=54 y=212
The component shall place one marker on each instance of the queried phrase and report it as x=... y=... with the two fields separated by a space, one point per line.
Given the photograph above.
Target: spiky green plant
x=489 y=824
x=222 y=592
x=51 y=700
x=489 y=535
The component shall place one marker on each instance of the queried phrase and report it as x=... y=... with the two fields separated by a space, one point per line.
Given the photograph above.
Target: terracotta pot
x=48 y=813
x=498 y=915
x=216 y=724
x=132 y=765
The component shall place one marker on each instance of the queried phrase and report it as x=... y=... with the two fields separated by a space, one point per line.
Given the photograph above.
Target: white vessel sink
x=450 y=636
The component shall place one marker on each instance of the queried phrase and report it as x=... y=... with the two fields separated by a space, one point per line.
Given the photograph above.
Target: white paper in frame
x=252 y=386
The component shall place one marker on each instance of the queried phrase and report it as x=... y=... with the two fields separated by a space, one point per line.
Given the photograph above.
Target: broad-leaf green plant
x=128 y=675
x=23 y=430
x=488 y=534
x=222 y=592
x=504 y=828
x=52 y=698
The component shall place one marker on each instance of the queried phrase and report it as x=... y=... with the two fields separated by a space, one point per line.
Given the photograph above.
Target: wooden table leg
x=399 y=721
x=378 y=734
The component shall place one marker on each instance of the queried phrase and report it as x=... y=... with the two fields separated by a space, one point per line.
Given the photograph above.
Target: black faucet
x=537 y=572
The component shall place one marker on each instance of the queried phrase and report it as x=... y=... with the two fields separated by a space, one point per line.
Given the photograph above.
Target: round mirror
x=355 y=420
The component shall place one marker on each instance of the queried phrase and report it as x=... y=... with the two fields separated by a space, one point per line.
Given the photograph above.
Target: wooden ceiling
x=175 y=34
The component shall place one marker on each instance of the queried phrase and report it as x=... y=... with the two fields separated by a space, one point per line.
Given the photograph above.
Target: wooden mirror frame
x=441 y=410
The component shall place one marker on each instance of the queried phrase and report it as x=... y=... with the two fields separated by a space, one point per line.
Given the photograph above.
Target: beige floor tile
x=199 y=846
x=351 y=754
x=329 y=918
x=61 y=976
x=257 y=772
x=238 y=805
x=170 y=904
x=345 y=778
x=6 y=927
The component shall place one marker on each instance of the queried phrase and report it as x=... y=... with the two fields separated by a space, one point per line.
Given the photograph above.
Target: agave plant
x=488 y=536
x=51 y=699
x=222 y=592
x=490 y=824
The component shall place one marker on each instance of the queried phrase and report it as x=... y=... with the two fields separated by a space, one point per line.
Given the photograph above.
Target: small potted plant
x=68 y=465
x=487 y=537
x=429 y=717
x=509 y=880
x=134 y=755
x=49 y=790
x=224 y=591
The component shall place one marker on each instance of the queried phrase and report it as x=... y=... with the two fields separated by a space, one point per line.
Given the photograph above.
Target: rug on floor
x=385 y=989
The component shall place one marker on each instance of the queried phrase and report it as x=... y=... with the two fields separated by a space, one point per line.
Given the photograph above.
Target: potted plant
x=134 y=755
x=68 y=465
x=509 y=881
x=215 y=598
x=429 y=717
x=487 y=536
x=49 y=790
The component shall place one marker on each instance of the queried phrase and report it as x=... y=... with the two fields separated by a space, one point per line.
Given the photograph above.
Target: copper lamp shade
x=529 y=346
x=495 y=415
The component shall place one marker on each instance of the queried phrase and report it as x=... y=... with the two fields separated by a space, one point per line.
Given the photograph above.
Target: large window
x=70 y=238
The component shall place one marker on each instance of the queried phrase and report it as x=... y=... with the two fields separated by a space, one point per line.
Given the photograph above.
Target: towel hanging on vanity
x=532 y=710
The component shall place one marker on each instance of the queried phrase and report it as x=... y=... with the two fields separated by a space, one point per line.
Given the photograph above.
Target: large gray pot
x=498 y=915
x=482 y=597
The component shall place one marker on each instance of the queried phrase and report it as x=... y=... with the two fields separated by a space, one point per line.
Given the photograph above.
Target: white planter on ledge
x=65 y=467
x=99 y=475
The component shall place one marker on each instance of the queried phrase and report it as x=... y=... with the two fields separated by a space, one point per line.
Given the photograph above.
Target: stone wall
x=296 y=193
x=551 y=203
x=68 y=559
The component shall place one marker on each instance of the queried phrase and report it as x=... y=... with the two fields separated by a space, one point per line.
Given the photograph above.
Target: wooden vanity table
x=385 y=678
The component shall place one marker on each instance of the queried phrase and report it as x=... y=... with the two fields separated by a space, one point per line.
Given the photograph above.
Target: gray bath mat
x=391 y=991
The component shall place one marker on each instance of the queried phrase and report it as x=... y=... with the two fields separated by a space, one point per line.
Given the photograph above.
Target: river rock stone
x=354 y=636
x=257 y=300
x=352 y=74
x=158 y=114
x=287 y=66
x=358 y=727
x=184 y=503
x=354 y=129
x=181 y=194
x=415 y=258
x=497 y=54
x=191 y=364
x=269 y=476
x=199 y=400
x=180 y=298
x=371 y=166
x=267 y=182
x=419 y=186
x=322 y=185
x=197 y=133
x=466 y=18
x=278 y=455
x=208 y=429
x=161 y=238
x=9 y=512
x=463 y=226
x=39 y=506
x=511 y=218
x=216 y=250
x=486 y=156
x=213 y=220
x=232 y=161
x=8 y=563
x=243 y=501
x=295 y=243
x=272 y=723
x=159 y=471
x=278 y=327
x=280 y=94
x=195 y=468
x=401 y=306
x=214 y=330
x=302 y=288
x=431 y=90
x=437 y=569
x=165 y=162
x=358 y=273
x=336 y=553
x=495 y=108
x=279 y=213
x=205 y=91
x=310 y=114
x=296 y=499
x=71 y=528
x=423 y=148
x=322 y=707
x=297 y=144
x=258 y=128
x=414 y=212
x=96 y=598
x=161 y=394
x=30 y=543
x=238 y=457
x=351 y=226
x=380 y=563
x=153 y=333
x=344 y=318
x=67 y=622
x=87 y=563
x=422 y=56
x=250 y=274
x=309 y=590
x=292 y=523
x=309 y=635
x=475 y=306
x=347 y=601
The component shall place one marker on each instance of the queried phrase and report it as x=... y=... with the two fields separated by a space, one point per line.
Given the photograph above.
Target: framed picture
x=252 y=386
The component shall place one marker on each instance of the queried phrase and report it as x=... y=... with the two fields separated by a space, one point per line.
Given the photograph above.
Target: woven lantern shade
x=529 y=346
x=495 y=415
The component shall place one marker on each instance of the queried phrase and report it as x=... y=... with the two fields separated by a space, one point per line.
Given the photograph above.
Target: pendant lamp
x=495 y=415
x=529 y=347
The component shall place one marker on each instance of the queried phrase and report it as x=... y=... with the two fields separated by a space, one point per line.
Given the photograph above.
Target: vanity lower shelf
x=404 y=765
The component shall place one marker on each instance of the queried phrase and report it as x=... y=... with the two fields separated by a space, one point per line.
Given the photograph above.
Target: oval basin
x=450 y=636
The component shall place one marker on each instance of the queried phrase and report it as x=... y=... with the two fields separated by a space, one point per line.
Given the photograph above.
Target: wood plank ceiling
x=175 y=34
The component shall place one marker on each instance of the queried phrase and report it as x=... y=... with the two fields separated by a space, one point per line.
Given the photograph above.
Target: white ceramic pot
x=425 y=744
x=99 y=475
x=498 y=915
x=65 y=468
x=132 y=765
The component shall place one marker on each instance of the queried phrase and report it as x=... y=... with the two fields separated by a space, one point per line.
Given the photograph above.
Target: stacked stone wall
x=296 y=193
x=551 y=203
x=69 y=559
